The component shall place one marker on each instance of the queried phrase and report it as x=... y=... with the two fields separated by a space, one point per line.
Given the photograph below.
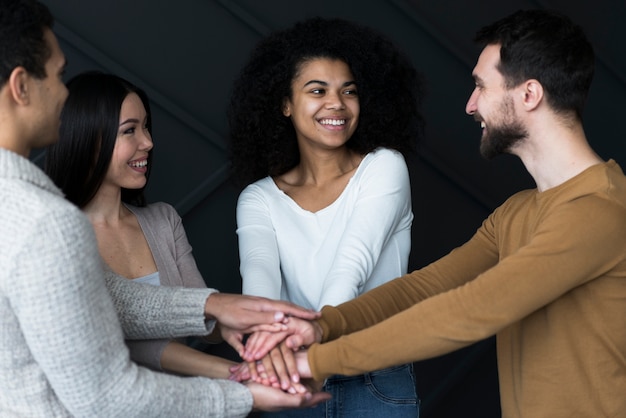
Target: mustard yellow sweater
x=546 y=273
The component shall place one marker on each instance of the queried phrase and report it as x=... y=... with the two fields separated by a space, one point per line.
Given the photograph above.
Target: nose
x=146 y=140
x=470 y=107
x=334 y=101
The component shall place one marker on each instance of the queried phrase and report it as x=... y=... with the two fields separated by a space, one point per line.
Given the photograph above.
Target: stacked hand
x=277 y=359
x=238 y=315
x=272 y=369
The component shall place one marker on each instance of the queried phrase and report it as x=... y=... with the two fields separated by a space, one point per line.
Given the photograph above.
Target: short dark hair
x=22 y=43
x=263 y=140
x=546 y=46
x=79 y=161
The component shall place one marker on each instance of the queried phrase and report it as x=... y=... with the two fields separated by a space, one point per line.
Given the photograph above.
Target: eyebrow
x=131 y=120
x=324 y=83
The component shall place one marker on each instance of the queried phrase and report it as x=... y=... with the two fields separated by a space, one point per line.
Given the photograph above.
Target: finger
x=294 y=342
x=315 y=398
x=287 y=309
x=268 y=366
x=259 y=344
x=278 y=368
x=253 y=341
x=254 y=373
x=290 y=309
x=234 y=339
x=299 y=388
x=239 y=372
x=291 y=369
x=263 y=377
x=274 y=327
x=251 y=345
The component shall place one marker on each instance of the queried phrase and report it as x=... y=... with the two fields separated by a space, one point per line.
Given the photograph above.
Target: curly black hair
x=263 y=140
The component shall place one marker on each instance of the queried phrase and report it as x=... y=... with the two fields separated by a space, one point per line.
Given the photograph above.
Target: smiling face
x=492 y=104
x=324 y=104
x=129 y=162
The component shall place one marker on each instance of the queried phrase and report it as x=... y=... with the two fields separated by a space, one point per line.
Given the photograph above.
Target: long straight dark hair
x=79 y=161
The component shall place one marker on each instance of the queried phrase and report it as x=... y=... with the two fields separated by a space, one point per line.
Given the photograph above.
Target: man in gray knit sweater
x=63 y=325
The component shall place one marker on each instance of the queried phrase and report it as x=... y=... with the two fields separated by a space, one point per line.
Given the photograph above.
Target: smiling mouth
x=333 y=122
x=138 y=164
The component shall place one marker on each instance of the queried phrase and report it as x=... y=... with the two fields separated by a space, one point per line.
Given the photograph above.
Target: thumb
x=234 y=340
x=294 y=341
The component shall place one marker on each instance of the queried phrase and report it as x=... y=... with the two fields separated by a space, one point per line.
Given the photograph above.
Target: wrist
x=318 y=332
x=210 y=306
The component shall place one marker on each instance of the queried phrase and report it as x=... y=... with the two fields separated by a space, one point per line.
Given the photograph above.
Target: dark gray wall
x=186 y=53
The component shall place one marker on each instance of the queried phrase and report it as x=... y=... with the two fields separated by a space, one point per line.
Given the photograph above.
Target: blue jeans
x=387 y=393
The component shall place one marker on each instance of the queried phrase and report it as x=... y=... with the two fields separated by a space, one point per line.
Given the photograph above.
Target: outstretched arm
x=169 y=312
x=238 y=315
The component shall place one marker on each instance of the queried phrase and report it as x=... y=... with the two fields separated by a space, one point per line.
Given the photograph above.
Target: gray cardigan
x=62 y=350
x=165 y=234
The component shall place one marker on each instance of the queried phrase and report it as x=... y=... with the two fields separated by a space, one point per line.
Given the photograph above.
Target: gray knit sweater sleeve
x=158 y=311
x=62 y=352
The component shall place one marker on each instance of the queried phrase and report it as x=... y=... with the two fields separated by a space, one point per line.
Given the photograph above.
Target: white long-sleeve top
x=358 y=242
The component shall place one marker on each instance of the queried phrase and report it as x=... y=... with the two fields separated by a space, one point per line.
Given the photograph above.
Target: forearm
x=181 y=359
x=455 y=269
x=157 y=311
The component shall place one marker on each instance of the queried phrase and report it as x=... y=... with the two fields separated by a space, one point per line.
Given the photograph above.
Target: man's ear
x=533 y=94
x=18 y=84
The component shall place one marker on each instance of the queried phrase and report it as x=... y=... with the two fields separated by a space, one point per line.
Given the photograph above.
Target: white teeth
x=334 y=122
x=482 y=125
x=142 y=163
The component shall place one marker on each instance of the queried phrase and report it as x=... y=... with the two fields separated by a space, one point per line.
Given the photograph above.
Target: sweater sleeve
x=383 y=207
x=68 y=322
x=470 y=294
x=158 y=311
x=258 y=249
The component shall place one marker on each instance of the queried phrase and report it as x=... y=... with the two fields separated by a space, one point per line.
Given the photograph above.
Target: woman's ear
x=286 y=108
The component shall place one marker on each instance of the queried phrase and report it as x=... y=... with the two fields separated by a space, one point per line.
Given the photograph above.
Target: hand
x=286 y=367
x=280 y=368
x=264 y=372
x=298 y=333
x=271 y=399
x=239 y=314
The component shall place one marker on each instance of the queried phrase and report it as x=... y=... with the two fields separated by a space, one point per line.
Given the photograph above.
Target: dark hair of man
x=546 y=46
x=22 y=44
x=263 y=140
x=79 y=161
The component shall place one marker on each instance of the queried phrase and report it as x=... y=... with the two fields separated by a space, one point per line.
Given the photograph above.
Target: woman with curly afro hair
x=320 y=118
